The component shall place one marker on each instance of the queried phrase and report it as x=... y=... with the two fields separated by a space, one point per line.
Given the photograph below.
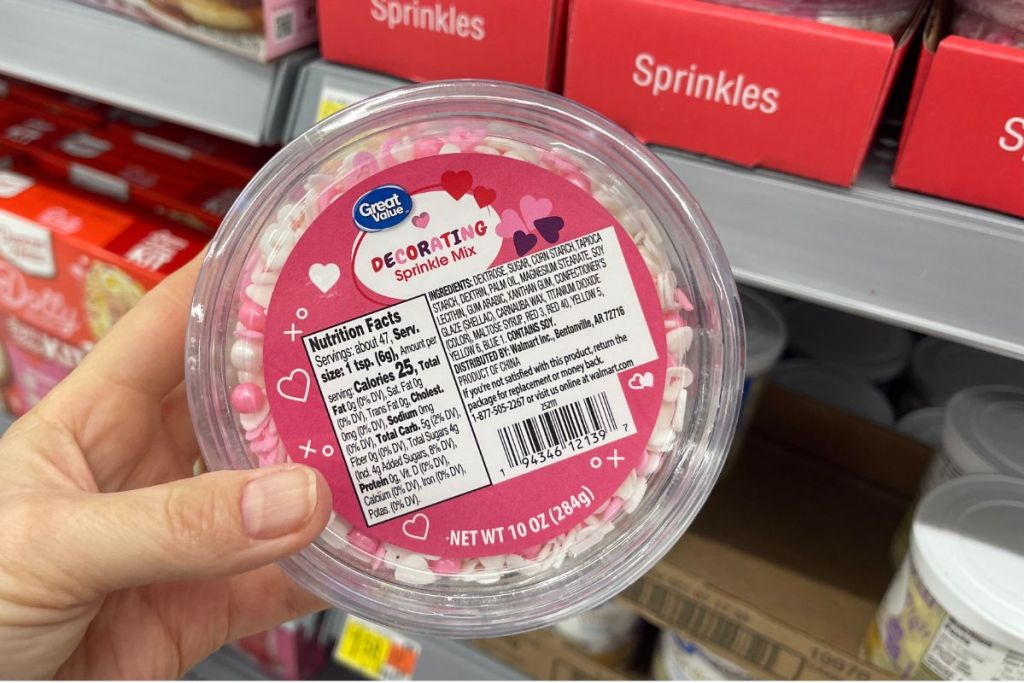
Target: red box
x=70 y=267
x=507 y=40
x=95 y=161
x=777 y=92
x=964 y=133
x=48 y=101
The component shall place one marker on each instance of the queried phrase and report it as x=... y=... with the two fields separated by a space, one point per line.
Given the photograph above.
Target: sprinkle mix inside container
x=500 y=328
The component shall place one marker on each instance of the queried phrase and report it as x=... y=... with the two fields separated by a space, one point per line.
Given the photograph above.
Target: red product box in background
x=48 y=101
x=964 y=133
x=509 y=40
x=70 y=267
x=185 y=192
x=748 y=87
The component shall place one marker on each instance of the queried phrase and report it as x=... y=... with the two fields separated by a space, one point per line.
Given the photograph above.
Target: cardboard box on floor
x=545 y=655
x=785 y=565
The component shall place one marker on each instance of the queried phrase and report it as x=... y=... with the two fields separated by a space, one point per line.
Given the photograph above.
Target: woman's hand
x=114 y=561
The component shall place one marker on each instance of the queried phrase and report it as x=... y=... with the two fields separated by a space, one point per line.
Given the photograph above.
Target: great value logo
x=382 y=208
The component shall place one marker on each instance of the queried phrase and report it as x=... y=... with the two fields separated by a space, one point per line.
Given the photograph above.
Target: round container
x=766 y=339
x=923 y=425
x=868 y=349
x=939 y=369
x=609 y=632
x=679 y=659
x=983 y=434
x=500 y=327
x=834 y=387
x=995 y=21
x=955 y=610
x=883 y=16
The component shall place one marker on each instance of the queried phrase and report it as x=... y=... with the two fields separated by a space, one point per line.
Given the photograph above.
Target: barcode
x=556 y=427
x=284 y=25
x=703 y=624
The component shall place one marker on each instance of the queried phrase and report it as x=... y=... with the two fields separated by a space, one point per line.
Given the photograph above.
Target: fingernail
x=279 y=503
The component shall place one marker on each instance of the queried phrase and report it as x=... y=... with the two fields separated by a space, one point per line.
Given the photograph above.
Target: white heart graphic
x=641 y=381
x=418 y=527
x=324 y=275
x=300 y=387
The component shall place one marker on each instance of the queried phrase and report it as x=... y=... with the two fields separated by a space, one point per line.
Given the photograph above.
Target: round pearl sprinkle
x=247 y=398
x=252 y=317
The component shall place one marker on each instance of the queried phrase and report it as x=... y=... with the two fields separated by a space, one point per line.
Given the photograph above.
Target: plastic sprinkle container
x=679 y=659
x=610 y=633
x=881 y=16
x=500 y=327
x=955 y=610
x=835 y=387
x=939 y=369
x=994 y=21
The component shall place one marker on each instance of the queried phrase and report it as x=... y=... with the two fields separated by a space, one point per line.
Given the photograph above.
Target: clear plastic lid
x=834 y=387
x=866 y=348
x=500 y=327
x=968 y=548
x=940 y=369
x=1000 y=17
x=883 y=16
x=765 y=330
x=984 y=431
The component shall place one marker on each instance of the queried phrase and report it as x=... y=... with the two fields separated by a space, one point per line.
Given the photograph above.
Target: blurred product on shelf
x=923 y=425
x=290 y=651
x=939 y=369
x=610 y=632
x=868 y=349
x=835 y=387
x=256 y=29
x=679 y=659
x=191 y=194
x=883 y=16
x=49 y=101
x=810 y=110
x=70 y=266
x=765 y=341
x=993 y=21
x=955 y=610
x=507 y=40
x=968 y=149
x=983 y=434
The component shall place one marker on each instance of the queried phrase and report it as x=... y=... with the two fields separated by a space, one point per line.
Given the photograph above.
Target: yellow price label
x=331 y=100
x=375 y=651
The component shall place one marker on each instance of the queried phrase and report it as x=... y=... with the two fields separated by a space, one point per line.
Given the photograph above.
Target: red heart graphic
x=484 y=196
x=456 y=183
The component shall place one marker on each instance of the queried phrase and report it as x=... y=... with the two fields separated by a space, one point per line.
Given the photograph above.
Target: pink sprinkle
x=257 y=431
x=253 y=316
x=367 y=544
x=265 y=445
x=613 y=508
x=643 y=461
x=427 y=148
x=270 y=459
x=247 y=397
x=243 y=333
x=579 y=180
x=532 y=552
x=378 y=558
x=557 y=163
x=683 y=301
x=446 y=565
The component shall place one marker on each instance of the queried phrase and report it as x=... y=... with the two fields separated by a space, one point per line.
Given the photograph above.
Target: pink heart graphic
x=421 y=220
x=532 y=208
x=510 y=224
x=418 y=527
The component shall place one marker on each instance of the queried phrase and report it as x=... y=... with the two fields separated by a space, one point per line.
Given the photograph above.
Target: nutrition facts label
x=486 y=378
x=959 y=654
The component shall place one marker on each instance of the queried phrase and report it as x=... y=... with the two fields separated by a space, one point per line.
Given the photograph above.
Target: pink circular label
x=471 y=349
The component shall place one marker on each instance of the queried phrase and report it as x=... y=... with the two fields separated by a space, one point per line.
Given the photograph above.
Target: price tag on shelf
x=375 y=651
x=331 y=100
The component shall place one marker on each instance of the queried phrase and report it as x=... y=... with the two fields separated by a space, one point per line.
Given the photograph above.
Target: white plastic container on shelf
x=609 y=632
x=923 y=425
x=955 y=610
x=766 y=340
x=866 y=348
x=834 y=387
x=983 y=433
x=679 y=659
x=939 y=369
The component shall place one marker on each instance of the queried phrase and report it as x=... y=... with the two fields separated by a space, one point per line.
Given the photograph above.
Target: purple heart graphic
x=524 y=242
x=548 y=227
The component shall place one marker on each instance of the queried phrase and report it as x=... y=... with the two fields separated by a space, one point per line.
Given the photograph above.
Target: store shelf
x=226 y=664
x=938 y=267
x=110 y=58
x=335 y=87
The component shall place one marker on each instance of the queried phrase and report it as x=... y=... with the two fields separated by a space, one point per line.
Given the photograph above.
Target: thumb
x=216 y=524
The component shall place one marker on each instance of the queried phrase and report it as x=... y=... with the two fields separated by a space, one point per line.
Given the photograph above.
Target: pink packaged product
x=502 y=330
x=256 y=29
